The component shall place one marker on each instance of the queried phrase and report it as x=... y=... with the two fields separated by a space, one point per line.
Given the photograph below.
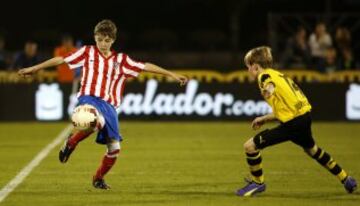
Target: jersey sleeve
x=76 y=59
x=264 y=80
x=132 y=68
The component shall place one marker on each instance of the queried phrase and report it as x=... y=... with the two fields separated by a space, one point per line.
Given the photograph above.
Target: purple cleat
x=251 y=189
x=350 y=184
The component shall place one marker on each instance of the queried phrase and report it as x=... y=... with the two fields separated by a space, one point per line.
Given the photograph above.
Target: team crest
x=116 y=65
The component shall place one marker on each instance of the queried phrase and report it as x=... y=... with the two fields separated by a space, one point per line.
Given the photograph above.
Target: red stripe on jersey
x=115 y=72
x=95 y=73
x=121 y=63
x=111 y=87
x=85 y=70
x=104 y=80
x=75 y=58
x=79 y=58
x=117 y=80
x=112 y=76
x=114 y=90
x=128 y=66
x=122 y=87
x=111 y=82
x=125 y=64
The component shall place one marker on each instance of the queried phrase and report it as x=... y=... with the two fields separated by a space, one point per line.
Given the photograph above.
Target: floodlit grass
x=177 y=163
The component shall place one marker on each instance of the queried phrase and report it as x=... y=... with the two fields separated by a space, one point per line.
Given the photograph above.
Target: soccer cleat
x=350 y=184
x=251 y=189
x=65 y=152
x=100 y=184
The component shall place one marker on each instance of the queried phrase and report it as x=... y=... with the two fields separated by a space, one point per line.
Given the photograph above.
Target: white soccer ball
x=85 y=117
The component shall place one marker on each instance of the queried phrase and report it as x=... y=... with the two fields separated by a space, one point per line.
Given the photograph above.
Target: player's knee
x=311 y=151
x=113 y=148
x=249 y=146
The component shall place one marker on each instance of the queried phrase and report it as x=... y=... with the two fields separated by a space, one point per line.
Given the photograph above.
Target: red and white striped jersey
x=103 y=77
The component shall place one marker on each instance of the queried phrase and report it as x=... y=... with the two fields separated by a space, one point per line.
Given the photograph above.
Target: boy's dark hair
x=261 y=56
x=107 y=28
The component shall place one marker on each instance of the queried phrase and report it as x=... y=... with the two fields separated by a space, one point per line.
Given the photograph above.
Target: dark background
x=46 y=20
x=202 y=34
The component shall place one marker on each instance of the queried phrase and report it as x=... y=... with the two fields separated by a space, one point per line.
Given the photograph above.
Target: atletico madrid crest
x=116 y=65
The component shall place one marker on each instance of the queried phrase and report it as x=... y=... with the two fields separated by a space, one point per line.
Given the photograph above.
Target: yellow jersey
x=287 y=100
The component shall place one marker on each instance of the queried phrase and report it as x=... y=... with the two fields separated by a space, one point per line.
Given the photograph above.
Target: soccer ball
x=85 y=117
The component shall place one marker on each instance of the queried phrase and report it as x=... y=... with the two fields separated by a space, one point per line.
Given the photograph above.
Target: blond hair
x=259 y=55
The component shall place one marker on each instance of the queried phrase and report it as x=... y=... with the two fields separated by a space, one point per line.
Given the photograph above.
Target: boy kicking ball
x=104 y=74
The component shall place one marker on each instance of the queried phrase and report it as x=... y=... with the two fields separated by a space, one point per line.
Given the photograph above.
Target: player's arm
x=259 y=121
x=49 y=63
x=158 y=70
x=268 y=90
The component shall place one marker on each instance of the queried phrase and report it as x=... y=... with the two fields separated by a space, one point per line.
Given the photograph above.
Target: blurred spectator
x=28 y=57
x=319 y=42
x=344 y=48
x=331 y=62
x=297 y=52
x=347 y=60
x=4 y=56
x=65 y=75
x=342 y=38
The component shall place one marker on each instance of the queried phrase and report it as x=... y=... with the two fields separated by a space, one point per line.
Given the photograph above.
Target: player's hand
x=181 y=79
x=27 y=71
x=257 y=123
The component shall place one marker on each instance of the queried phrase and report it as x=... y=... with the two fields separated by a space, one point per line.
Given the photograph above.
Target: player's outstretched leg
x=71 y=142
x=251 y=188
x=107 y=163
x=329 y=163
x=256 y=183
x=82 y=129
x=350 y=184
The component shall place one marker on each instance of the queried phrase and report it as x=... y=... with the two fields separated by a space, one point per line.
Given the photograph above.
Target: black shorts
x=297 y=130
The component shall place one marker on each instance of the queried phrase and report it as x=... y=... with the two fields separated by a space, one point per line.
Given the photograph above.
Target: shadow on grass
x=186 y=193
x=315 y=195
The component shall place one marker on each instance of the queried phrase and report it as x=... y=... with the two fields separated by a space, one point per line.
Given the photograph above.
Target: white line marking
x=7 y=189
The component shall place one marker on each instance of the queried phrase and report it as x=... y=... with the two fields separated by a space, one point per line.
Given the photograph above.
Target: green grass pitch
x=177 y=163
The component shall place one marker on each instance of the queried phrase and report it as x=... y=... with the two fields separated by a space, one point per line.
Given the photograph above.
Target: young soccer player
x=102 y=84
x=291 y=107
